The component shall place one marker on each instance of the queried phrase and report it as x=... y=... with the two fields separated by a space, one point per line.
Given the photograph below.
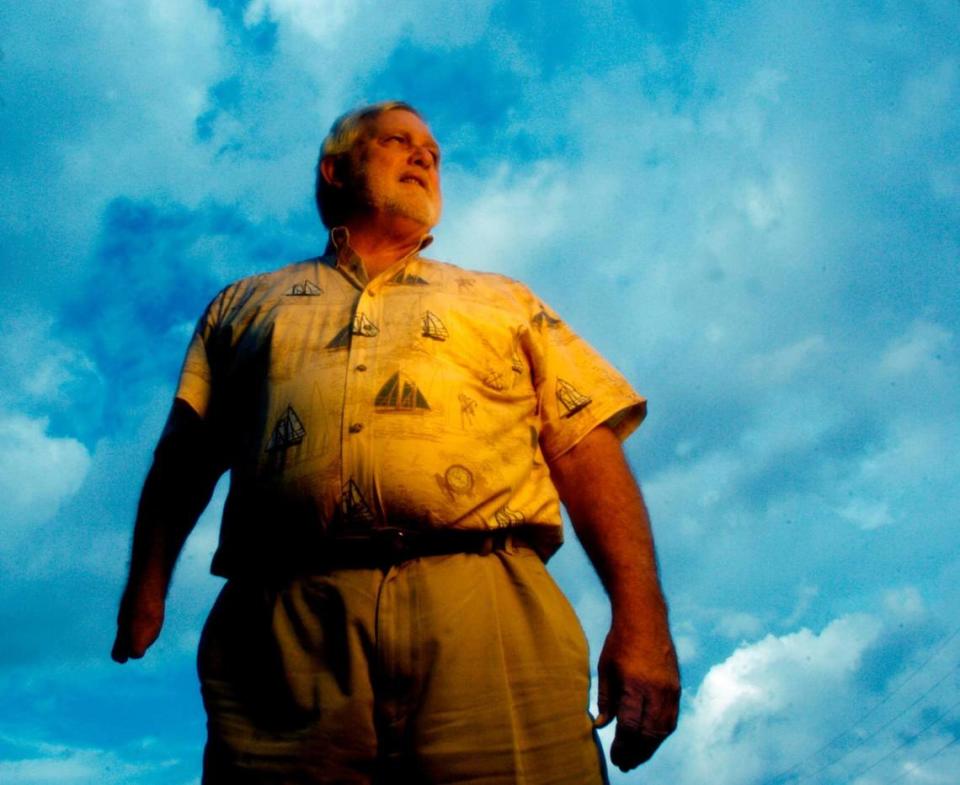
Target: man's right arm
x=178 y=487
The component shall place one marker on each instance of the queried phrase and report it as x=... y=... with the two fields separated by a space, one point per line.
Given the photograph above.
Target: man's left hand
x=639 y=685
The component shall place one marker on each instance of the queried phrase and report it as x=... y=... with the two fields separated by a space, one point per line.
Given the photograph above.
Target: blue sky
x=752 y=208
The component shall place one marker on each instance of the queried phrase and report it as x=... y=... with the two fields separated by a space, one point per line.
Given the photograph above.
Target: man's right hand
x=138 y=625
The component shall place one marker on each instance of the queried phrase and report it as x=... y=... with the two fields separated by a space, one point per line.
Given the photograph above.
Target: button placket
x=358 y=395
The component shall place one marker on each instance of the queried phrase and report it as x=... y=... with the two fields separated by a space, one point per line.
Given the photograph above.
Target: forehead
x=401 y=120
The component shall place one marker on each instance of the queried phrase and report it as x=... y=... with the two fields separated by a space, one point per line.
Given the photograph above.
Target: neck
x=380 y=242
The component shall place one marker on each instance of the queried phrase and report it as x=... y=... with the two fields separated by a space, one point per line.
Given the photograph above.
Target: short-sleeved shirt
x=430 y=396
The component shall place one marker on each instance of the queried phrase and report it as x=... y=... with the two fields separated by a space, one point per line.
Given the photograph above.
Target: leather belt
x=388 y=546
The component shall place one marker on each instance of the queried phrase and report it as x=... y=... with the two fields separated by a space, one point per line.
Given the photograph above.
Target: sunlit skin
x=393 y=178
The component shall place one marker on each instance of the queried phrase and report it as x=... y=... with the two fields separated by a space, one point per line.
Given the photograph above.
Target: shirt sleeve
x=577 y=389
x=195 y=387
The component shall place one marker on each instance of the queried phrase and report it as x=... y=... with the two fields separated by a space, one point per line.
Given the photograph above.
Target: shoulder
x=493 y=288
x=302 y=277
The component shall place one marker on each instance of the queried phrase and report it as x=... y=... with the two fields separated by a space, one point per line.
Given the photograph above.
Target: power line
x=931 y=756
x=908 y=740
x=887 y=724
x=824 y=747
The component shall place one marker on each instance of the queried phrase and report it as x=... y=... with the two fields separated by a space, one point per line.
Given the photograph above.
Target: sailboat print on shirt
x=433 y=327
x=571 y=400
x=400 y=394
x=402 y=278
x=288 y=431
x=542 y=318
x=494 y=380
x=507 y=517
x=305 y=289
x=361 y=325
x=354 y=509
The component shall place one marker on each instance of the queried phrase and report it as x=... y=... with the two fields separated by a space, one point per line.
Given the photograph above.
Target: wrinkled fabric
x=430 y=396
x=448 y=669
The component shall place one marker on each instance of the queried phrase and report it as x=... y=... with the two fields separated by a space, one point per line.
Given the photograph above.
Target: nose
x=421 y=156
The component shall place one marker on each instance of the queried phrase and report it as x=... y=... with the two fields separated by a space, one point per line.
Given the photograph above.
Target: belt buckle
x=394 y=544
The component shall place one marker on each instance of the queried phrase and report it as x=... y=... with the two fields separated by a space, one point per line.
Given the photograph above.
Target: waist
x=265 y=545
x=391 y=545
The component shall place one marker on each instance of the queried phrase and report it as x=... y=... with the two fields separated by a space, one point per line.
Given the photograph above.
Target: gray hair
x=343 y=136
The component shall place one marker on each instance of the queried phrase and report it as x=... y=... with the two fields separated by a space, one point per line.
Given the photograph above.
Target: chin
x=426 y=214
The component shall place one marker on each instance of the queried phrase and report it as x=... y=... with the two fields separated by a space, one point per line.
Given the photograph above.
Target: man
x=397 y=432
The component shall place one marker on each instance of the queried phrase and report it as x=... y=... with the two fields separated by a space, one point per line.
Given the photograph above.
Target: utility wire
x=908 y=740
x=887 y=724
x=931 y=756
x=933 y=653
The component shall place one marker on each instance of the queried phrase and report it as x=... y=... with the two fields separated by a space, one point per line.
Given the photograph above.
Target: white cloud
x=806 y=594
x=766 y=706
x=783 y=363
x=37 y=365
x=38 y=473
x=921 y=349
x=361 y=25
x=804 y=708
x=905 y=603
x=320 y=21
x=43 y=763
x=739 y=625
x=122 y=86
x=867 y=513
x=491 y=229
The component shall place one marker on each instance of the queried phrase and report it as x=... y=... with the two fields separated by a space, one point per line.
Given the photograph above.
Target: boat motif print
x=361 y=325
x=570 y=398
x=305 y=289
x=287 y=432
x=353 y=507
x=400 y=394
x=433 y=327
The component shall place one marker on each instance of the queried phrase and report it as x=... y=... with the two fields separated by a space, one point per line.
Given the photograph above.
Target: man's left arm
x=639 y=681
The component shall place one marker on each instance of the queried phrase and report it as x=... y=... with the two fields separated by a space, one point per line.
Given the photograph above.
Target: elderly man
x=399 y=434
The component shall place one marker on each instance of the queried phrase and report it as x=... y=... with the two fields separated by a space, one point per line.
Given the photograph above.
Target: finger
x=119 y=651
x=660 y=712
x=605 y=712
x=631 y=748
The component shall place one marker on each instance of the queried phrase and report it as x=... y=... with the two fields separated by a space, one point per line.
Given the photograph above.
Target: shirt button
x=356 y=427
x=361 y=367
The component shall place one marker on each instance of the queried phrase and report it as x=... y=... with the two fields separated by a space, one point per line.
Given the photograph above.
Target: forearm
x=638 y=678
x=177 y=489
x=610 y=519
x=169 y=507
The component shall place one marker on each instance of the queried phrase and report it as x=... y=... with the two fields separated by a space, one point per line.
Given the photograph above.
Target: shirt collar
x=344 y=257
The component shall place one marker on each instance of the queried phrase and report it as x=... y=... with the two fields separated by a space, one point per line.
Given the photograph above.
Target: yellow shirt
x=431 y=396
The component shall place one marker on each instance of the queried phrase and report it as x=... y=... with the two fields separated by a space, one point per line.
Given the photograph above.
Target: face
x=395 y=169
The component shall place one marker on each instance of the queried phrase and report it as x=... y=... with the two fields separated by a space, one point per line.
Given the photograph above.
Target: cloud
x=38 y=472
x=921 y=349
x=121 y=92
x=29 y=762
x=485 y=231
x=46 y=374
x=795 y=709
x=345 y=24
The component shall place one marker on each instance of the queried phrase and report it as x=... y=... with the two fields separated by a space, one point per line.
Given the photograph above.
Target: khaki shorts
x=462 y=668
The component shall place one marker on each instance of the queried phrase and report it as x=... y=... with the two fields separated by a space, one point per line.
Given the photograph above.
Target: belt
x=388 y=546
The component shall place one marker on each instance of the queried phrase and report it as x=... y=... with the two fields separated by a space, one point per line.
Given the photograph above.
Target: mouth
x=412 y=178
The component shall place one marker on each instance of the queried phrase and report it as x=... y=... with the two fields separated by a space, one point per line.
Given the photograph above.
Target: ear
x=331 y=169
